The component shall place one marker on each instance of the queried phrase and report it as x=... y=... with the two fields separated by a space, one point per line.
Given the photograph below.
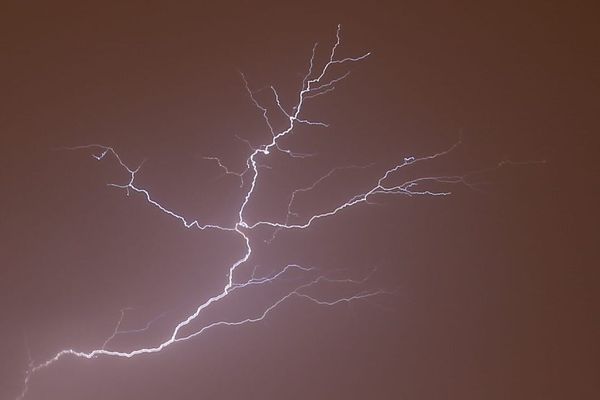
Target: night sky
x=493 y=289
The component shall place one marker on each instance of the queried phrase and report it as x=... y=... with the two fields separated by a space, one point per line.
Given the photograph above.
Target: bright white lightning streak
x=314 y=84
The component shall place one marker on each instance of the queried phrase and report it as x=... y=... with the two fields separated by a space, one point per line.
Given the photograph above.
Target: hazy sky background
x=496 y=289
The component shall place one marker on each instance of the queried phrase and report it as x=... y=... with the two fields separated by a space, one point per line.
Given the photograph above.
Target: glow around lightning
x=318 y=81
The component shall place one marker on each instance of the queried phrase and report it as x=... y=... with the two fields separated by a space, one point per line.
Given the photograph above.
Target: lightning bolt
x=317 y=81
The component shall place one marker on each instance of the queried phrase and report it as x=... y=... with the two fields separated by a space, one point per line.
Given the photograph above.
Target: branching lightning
x=318 y=81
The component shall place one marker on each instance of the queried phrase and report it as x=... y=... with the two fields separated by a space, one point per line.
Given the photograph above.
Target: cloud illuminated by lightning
x=318 y=81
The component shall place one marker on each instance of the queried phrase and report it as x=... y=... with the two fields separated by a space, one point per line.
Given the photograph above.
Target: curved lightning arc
x=315 y=83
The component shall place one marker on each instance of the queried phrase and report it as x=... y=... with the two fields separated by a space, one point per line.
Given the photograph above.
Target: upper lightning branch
x=305 y=189
x=318 y=81
x=130 y=186
x=409 y=188
x=310 y=87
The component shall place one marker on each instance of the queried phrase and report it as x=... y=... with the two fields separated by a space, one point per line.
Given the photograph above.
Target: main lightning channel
x=314 y=84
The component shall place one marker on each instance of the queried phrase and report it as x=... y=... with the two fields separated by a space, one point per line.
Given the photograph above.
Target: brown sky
x=496 y=289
